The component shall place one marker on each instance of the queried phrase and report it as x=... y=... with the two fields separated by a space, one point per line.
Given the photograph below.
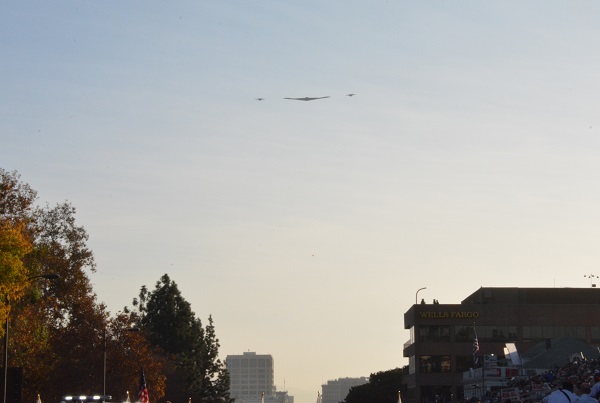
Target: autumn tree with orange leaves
x=58 y=328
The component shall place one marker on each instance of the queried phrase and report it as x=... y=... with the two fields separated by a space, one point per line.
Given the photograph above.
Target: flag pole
x=143 y=396
x=476 y=359
x=482 y=364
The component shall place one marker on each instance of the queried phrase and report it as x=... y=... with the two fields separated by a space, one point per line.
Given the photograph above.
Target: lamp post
x=51 y=276
x=417 y=293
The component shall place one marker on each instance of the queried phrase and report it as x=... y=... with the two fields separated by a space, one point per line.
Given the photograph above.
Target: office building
x=441 y=345
x=251 y=375
x=283 y=397
x=336 y=390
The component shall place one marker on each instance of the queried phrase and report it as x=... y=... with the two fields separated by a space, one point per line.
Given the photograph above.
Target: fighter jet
x=350 y=95
x=259 y=99
x=307 y=98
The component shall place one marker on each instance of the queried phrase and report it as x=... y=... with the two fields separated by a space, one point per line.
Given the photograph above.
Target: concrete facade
x=251 y=375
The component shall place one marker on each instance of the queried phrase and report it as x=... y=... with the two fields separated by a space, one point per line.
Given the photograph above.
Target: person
x=562 y=395
x=584 y=394
x=595 y=392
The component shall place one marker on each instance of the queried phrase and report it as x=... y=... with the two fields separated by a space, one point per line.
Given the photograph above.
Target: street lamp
x=51 y=276
x=417 y=293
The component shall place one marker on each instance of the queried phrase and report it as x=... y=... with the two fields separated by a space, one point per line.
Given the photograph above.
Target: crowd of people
x=578 y=381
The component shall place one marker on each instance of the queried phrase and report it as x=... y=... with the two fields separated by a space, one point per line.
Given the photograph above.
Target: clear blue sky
x=469 y=157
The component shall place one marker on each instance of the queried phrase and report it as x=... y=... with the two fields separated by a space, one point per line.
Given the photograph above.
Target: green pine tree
x=171 y=325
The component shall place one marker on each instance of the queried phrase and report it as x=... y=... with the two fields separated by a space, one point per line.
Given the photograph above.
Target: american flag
x=475 y=350
x=143 y=392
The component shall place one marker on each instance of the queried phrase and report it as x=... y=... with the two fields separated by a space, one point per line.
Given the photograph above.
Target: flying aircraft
x=350 y=95
x=307 y=98
x=259 y=99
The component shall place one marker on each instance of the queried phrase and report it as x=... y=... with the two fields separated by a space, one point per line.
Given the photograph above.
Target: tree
x=47 y=317
x=16 y=199
x=170 y=323
x=13 y=274
x=80 y=327
x=59 y=327
x=216 y=377
x=68 y=310
x=383 y=387
x=129 y=350
x=168 y=318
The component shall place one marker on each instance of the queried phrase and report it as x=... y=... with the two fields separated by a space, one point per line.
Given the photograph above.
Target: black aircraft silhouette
x=307 y=98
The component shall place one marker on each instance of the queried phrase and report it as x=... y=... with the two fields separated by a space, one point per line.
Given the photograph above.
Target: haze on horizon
x=468 y=157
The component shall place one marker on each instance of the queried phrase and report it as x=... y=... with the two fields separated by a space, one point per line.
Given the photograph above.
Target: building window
x=532 y=332
x=464 y=333
x=595 y=334
x=434 y=363
x=434 y=333
x=412 y=368
x=575 y=331
x=497 y=333
x=551 y=332
x=486 y=333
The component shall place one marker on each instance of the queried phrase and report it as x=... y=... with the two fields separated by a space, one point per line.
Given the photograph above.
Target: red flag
x=143 y=392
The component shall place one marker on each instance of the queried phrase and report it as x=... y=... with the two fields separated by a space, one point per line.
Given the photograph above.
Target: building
x=336 y=391
x=441 y=345
x=251 y=375
x=283 y=397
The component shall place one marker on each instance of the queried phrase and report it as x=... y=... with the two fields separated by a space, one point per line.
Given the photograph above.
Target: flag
x=143 y=392
x=475 y=349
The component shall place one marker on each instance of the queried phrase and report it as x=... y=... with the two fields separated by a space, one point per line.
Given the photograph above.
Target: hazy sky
x=469 y=157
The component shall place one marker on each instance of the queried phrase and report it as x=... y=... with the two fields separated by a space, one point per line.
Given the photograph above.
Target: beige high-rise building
x=336 y=391
x=251 y=375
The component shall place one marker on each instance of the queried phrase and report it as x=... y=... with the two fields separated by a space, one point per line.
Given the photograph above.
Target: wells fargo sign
x=449 y=315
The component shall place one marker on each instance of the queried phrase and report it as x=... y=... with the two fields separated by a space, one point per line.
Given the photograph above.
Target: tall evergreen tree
x=216 y=377
x=169 y=322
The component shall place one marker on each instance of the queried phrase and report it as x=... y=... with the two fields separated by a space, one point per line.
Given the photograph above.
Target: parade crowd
x=578 y=381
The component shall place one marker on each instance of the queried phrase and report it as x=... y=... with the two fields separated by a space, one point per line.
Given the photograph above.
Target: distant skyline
x=467 y=158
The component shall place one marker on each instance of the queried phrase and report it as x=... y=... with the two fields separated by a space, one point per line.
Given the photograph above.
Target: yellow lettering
x=441 y=315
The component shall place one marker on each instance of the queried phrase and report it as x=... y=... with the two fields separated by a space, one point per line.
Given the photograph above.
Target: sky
x=468 y=157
